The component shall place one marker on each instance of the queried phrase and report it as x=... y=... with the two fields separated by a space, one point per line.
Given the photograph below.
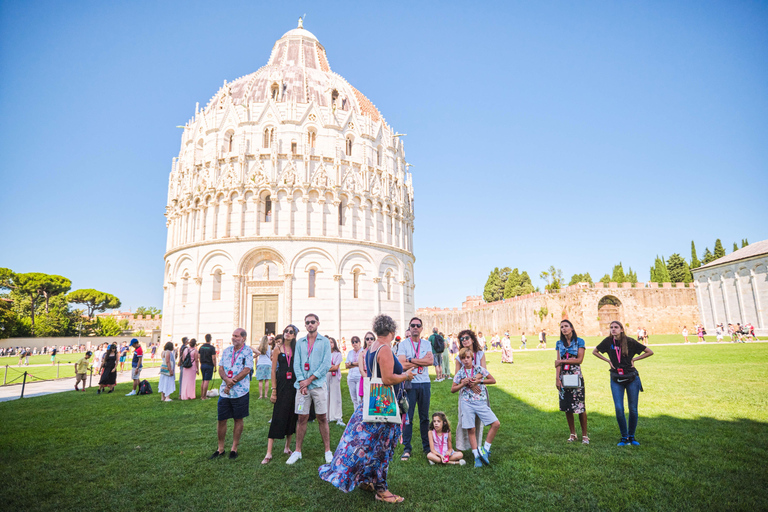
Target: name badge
x=306 y=367
x=230 y=374
x=420 y=369
x=289 y=375
x=567 y=367
x=333 y=374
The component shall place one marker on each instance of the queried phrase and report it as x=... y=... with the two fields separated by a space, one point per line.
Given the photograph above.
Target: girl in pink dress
x=440 y=444
x=189 y=379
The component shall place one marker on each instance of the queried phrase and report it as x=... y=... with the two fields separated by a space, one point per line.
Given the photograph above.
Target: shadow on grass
x=78 y=451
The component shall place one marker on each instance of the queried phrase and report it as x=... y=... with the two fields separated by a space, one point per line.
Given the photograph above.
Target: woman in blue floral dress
x=365 y=449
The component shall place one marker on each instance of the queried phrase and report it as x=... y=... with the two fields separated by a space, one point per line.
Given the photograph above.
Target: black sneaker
x=216 y=455
x=98 y=391
x=232 y=455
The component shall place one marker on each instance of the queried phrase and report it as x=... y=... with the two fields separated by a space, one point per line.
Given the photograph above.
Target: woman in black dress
x=283 y=393
x=109 y=370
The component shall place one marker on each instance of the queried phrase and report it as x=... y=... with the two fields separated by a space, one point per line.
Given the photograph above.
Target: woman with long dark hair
x=284 y=418
x=570 y=354
x=468 y=339
x=621 y=352
x=109 y=369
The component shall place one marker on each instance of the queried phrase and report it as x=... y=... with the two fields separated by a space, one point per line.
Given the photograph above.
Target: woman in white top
x=353 y=376
x=264 y=367
x=334 y=385
x=167 y=384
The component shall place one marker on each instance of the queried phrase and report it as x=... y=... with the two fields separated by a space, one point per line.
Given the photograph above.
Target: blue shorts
x=233 y=408
x=207 y=371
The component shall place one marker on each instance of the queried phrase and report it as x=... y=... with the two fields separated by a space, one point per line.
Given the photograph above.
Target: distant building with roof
x=734 y=289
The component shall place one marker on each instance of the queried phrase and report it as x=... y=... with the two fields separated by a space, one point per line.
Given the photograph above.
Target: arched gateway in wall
x=290 y=195
x=609 y=309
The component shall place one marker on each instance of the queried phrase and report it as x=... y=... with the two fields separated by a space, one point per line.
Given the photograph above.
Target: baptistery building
x=290 y=195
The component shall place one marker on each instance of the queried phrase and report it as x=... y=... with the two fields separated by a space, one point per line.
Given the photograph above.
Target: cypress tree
x=744 y=242
x=695 y=263
x=662 y=274
x=708 y=257
x=618 y=274
x=719 y=251
x=735 y=247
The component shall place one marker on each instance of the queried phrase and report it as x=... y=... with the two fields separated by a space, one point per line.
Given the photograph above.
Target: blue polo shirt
x=319 y=361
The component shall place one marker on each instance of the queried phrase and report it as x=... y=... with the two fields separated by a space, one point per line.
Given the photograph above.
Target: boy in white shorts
x=470 y=381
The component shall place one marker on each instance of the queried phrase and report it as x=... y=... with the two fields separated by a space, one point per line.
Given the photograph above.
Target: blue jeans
x=633 y=393
x=419 y=393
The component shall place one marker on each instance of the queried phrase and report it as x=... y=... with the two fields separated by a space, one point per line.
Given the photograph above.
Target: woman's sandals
x=389 y=498
x=572 y=438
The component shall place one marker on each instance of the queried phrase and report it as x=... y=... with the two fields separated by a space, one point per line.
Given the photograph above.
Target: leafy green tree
x=94 y=300
x=140 y=332
x=744 y=243
x=554 y=278
x=679 y=271
x=653 y=275
x=708 y=257
x=695 y=263
x=735 y=247
x=631 y=276
x=108 y=326
x=605 y=279
x=580 y=278
x=660 y=271
x=719 y=251
x=8 y=319
x=513 y=281
x=618 y=273
x=54 y=285
x=492 y=285
x=151 y=311
x=33 y=285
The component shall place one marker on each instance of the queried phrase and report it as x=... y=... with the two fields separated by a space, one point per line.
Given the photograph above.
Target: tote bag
x=379 y=402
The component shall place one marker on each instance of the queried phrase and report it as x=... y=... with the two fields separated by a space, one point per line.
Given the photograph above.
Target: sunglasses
x=310 y=322
x=465 y=338
x=369 y=339
x=355 y=342
x=288 y=331
x=415 y=326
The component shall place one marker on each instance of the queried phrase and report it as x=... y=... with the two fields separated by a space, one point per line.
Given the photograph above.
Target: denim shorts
x=233 y=408
x=207 y=371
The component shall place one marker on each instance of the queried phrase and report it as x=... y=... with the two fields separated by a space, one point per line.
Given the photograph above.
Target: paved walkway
x=47 y=387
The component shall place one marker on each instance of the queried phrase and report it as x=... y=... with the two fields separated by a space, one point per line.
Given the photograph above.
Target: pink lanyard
x=288 y=358
x=415 y=349
x=310 y=349
x=442 y=439
x=234 y=356
x=618 y=351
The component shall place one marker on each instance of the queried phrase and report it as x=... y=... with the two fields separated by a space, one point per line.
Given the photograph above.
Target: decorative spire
x=301 y=21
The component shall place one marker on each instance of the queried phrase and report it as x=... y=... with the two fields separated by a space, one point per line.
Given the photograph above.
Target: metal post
x=58 y=365
x=5 y=377
x=24 y=383
x=90 y=382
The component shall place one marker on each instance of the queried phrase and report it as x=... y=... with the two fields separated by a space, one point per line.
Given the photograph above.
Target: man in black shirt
x=207 y=364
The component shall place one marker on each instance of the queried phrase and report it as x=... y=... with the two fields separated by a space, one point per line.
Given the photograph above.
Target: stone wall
x=90 y=342
x=660 y=310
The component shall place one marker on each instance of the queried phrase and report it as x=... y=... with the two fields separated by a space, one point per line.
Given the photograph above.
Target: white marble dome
x=290 y=195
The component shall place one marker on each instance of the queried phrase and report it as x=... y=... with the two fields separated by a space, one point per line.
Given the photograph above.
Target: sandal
x=266 y=460
x=390 y=498
x=287 y=452
x=572 y=438
x=584 y=440
x=367 y=487
x=405 y=456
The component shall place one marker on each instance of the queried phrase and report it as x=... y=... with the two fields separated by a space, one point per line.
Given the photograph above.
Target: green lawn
x=703 y=428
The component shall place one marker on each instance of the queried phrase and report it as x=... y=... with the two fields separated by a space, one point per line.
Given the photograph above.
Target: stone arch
x=205 y=259
x=310 y=250
x=178 y=265
x=255 y=256
x=609 y=308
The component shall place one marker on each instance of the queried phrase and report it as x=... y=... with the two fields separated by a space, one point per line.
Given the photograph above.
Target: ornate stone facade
x=290 y=195
x=734 y=289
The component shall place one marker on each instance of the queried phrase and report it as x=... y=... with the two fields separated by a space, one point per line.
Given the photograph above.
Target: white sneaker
x=132 y=393
x=293 y=458
x=328 y=457
x=341 y=423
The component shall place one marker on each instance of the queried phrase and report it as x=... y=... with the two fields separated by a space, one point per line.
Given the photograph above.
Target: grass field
x=703 y=428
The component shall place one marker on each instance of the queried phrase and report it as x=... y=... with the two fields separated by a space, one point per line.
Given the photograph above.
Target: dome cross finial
x=301 y=21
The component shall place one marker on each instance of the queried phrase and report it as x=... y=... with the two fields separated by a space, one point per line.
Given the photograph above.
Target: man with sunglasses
x=313 y=360
x=415 y=352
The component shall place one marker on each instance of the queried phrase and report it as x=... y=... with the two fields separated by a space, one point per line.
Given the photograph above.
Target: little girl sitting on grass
x=440 y=444
x=470 y=380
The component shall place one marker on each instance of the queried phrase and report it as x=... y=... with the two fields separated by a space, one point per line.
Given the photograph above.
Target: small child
x=470 y=380
x=523 y=340
x=440 y=446
x=264 y=367
x=81 y=370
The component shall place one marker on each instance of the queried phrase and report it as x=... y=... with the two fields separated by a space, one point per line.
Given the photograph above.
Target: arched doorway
x=608 y=310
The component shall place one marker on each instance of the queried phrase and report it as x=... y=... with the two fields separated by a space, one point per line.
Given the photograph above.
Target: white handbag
x=571 y=380
x=379 y=401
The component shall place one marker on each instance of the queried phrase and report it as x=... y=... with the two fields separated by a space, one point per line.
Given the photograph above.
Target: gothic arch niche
x=609 y=308
x=262 y=293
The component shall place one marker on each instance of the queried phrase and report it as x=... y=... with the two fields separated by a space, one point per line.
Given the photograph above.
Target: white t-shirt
x=409 y=349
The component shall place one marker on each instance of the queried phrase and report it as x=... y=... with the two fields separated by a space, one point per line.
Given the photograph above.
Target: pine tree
x=735 y=247
x=513 y=281
x=662 y=274
x=708 y=257
x=631 y=276
x=719 y=251
x=679 y=272
x=653 y=275
x=744 y=243
x=605 y=279
x=490 y=293
x=618 y=274
x=695 y=263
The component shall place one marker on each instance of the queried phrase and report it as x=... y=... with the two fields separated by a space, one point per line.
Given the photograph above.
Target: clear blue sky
x=574 y=134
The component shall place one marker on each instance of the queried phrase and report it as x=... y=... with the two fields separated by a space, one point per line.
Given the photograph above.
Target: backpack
x=187 y=361
x=145 y=388
x=439 y=344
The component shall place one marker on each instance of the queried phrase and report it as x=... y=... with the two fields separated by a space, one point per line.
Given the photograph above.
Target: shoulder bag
x=379 y=401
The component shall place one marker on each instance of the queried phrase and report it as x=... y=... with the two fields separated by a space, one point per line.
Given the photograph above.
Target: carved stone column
x=364 y=215
x=307 y=217
x=335 y=217
x=756 y=292
x=321 y=203
x=337 y=279
x=214 y=219
x=199 y=283
x=227 y=216
x=275 y=212
x=289 y=200
x=172 y=307
x=376 y=235
x=256 y=214
x=376 y=296
x=288 y=299
x=237 y=297
x=241 y=217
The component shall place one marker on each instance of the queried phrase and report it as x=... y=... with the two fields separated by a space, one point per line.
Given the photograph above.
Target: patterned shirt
x=466 y=393
x=572 y=349
x=234 y=361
